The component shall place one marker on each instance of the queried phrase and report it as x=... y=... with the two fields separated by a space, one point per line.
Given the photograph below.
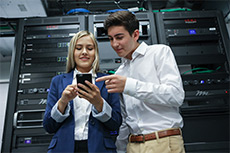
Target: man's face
x=122 y=42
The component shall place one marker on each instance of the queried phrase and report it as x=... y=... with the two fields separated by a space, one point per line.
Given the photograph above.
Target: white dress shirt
x=153 y=92
x=82 y=109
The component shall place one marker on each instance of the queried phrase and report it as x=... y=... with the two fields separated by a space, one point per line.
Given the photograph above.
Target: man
x=151 y=89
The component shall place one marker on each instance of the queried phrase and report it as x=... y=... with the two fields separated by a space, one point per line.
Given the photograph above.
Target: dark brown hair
x=122 y=18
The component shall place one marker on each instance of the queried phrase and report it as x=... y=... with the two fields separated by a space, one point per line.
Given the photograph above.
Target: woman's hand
x=92 y=94
x=68 y=94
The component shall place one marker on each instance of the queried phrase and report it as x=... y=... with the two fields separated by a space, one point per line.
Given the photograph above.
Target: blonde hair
x=71 y=64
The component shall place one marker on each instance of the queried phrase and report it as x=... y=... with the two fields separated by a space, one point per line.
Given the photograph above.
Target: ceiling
x=13 y=10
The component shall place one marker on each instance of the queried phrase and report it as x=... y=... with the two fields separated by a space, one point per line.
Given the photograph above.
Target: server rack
x=200 y=43
x=109 y=60
x=40 y=54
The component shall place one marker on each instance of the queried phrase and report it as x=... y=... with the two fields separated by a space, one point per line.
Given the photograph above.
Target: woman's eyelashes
x=90 y=48
x=87 y=48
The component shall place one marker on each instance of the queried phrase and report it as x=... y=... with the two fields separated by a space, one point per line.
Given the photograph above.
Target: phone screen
x=82 y=77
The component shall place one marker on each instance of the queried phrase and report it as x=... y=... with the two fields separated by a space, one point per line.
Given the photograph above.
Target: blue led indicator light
x=201 y=81
x=28 y=141
x=192 y=31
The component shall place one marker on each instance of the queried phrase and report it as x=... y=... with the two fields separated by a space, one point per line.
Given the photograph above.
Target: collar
x=141 y=50
x=94 y=75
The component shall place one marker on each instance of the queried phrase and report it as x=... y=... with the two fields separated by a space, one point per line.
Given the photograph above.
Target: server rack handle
x=15 y=119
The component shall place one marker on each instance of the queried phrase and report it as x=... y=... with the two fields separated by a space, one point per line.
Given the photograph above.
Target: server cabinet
x=200 y=43
x=40 y=54
x=109 y=60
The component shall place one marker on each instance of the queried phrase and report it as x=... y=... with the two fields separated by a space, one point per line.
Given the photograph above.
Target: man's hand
x=114 y=83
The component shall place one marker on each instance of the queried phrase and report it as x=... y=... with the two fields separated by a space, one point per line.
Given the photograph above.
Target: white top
x=82 y=109
x=153 y=92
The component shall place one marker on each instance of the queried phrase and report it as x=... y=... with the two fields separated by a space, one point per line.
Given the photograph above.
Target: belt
x=141 y=138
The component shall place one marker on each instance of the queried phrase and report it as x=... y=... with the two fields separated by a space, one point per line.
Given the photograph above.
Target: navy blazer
x=99 y=137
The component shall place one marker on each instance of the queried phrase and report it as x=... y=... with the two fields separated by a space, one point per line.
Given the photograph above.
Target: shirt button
x=134 y=105
x=92 y=122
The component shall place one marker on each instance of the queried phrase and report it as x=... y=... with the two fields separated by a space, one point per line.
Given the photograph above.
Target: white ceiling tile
x=21 y=8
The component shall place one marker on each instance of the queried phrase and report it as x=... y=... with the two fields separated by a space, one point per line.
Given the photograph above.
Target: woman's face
x=84 y=54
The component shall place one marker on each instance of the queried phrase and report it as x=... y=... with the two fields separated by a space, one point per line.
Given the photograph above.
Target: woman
x=81 y=120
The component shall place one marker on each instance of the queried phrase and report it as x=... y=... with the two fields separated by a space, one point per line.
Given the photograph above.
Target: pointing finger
x=109 y=77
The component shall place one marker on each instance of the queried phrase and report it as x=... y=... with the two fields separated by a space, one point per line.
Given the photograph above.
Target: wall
x=4 y=86
x=3 y=99
x=4 y=71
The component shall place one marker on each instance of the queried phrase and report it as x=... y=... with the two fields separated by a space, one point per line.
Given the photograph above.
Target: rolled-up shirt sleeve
x=105 y=114
x=57 y=115
x=130 y=86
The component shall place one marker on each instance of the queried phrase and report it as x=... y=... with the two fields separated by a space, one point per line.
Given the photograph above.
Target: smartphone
x=82 y=77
